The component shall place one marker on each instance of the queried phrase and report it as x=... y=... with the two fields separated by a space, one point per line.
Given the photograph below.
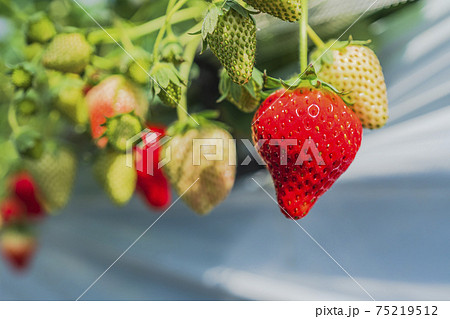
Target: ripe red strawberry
x=11 y=210
x=151 y=182
x=322 y=135
x=113 y=96
x=22 y=185
x=18 y=246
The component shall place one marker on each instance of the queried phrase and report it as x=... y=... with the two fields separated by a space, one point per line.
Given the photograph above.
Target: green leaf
x=236 y=92
x=210 y=21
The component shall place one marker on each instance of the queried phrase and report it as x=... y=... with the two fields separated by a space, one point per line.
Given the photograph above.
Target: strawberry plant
x=135 y=101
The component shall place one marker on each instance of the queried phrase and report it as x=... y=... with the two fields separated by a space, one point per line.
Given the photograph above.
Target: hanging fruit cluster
x=75 y=98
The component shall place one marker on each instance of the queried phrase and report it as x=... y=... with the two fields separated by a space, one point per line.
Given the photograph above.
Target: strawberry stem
x=315 y=38
x=145 y=28
x=170 y=12
x=304 y=37
x=12 y=119
x=185 y=70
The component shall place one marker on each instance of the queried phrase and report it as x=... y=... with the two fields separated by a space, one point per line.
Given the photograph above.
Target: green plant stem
x=18 y=14
x=185 y=70
x=168 y=24
x=145 y=28
x=315 y=38
x=162 y=31
x=187 y=37
x=12 y=119
x=304 y=37
x=124 y=38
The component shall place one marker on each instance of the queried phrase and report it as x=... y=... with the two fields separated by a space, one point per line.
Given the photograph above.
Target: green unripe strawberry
x=138 y=71
x=21 y=78
x=230 y=32
x=32 y=50
x=172 y=51
x=26 y=107
x=166 y=83
x=54 y=174
x=28 y=143
x=246 y=98
x=69 y=98
x=117 y=179
x=121 y=128
x=171 y=96
x=40 y=29
x=69 y=52
x=287 y=10
x=209 y=181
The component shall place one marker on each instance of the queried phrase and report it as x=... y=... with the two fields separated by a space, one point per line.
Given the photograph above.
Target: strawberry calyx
x=324 y=54
x=163 y=74
x=120 y=129
x=195 y=121
x=172 y=50
x=28 y=142
x=308 y=79
x=228 y=87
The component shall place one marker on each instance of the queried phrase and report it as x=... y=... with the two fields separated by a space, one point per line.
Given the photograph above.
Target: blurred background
x=385 y=221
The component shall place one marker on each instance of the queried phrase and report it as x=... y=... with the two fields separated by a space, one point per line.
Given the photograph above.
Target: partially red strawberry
x=23 y=186
x=18 y=245
x=318 y=137
x=151 y=182
x=114 y=95
x=11 y=210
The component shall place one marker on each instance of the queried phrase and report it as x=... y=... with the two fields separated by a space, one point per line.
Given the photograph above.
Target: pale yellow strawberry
x=117 y=179
x=205 y=185
x=357 y=70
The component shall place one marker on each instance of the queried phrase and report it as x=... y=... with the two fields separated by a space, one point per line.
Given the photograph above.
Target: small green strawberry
x=69 y=52
x=287 y=10
x=353 y=68
x=54 y=174
x=172 y=51
x=121 y=128
x=138 y=71
x=27 y=107
x=247 y=97
x=230 y=32
x=117 y=179
x=209 y=181
x=33 y=50
x=69 y=98
x=21 y=77
x=166 y=83
x=40 y=29
x=28 y=142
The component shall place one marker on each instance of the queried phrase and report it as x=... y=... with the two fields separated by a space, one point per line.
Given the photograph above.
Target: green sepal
x=227 y=86
x=324 y=55
x=205 y=118
x=28 y=142
x=162 y=74
x=121 y=128
x=308 y=78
